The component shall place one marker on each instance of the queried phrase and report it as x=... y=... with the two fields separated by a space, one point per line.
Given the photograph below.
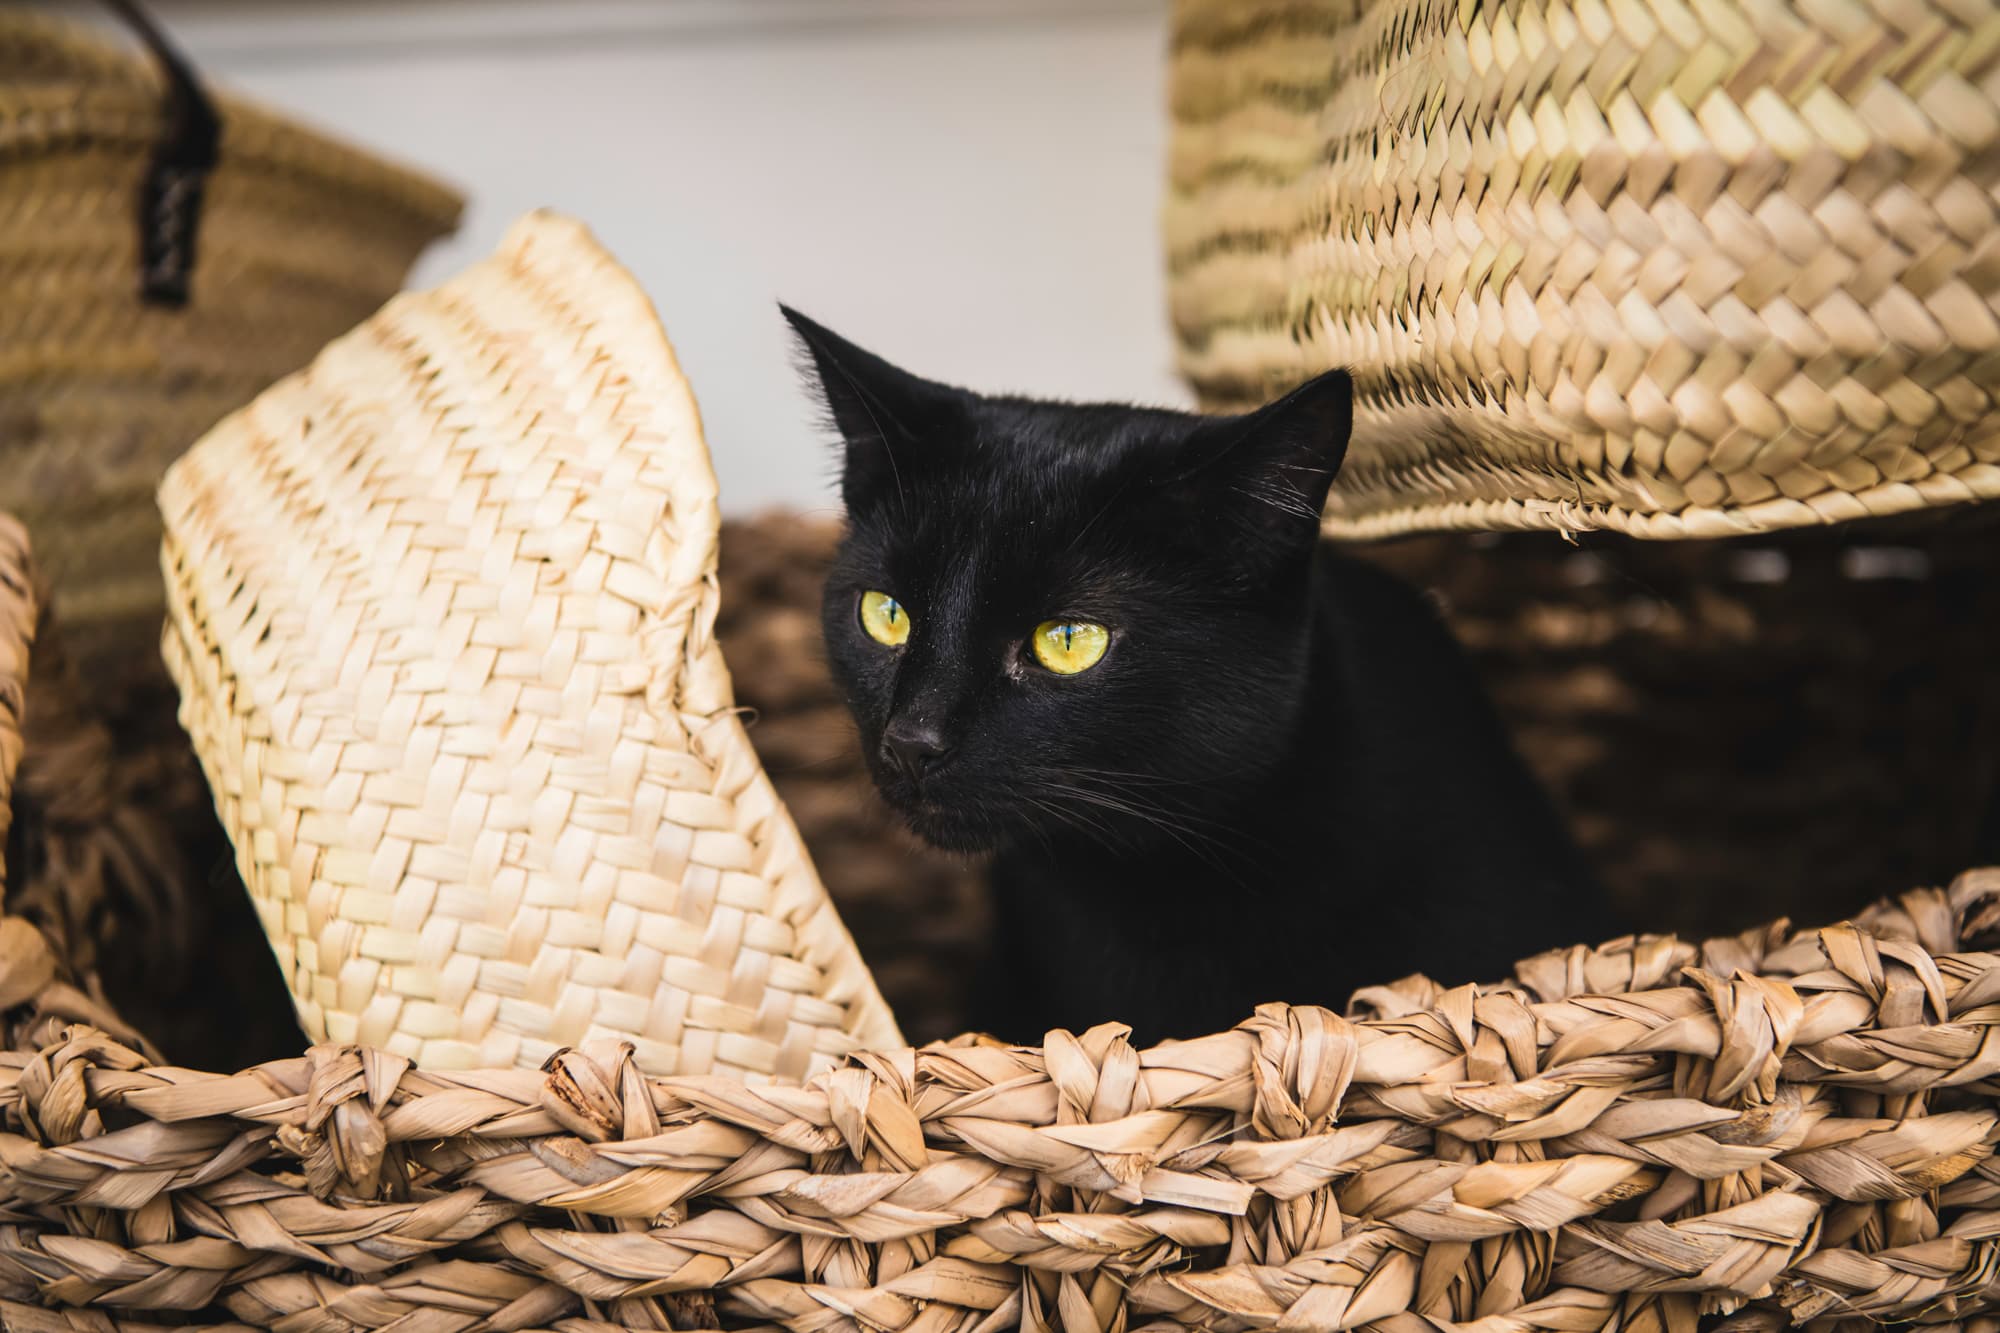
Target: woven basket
x=121 y=340
x=1678 y=271
x=442 y=616
x=1785 y=1128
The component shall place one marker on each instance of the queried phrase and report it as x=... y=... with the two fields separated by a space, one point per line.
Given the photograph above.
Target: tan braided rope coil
x=441 y=615
x=300 y=238
x=1793 y=1130
x=1678 y=269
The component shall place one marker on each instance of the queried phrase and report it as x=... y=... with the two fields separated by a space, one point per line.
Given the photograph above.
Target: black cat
x=1220 y=763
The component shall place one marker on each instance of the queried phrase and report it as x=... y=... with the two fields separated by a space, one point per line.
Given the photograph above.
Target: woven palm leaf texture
x=1677 y=270
x=126 y=332
x=442 y=610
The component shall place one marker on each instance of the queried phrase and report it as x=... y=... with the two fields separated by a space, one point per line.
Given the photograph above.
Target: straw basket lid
x=440 y=614
x=1678 y=271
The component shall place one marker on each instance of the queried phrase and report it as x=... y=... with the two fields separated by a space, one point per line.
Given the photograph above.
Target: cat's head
x=1056 y=621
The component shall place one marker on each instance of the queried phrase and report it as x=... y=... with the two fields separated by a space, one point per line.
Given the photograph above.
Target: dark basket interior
x=1738 y=731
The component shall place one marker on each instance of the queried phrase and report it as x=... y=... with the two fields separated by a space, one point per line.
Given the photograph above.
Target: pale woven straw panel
x=299 y=238
x=1676 y=269
x=441 y=616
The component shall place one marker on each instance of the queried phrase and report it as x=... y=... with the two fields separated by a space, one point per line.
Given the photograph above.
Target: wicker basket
x=1667 y=269
x=122 y=338
x=442 y=616
x=1783 y=1128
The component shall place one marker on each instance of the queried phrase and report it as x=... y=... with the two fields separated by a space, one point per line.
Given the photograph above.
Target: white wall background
x=971 y=187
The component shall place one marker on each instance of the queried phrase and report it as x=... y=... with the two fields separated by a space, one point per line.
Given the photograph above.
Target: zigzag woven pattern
x=1788 y=1130
x=1680 y=270
x=441 y=616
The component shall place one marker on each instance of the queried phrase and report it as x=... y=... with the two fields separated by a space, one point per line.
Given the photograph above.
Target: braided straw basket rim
x=62 y=86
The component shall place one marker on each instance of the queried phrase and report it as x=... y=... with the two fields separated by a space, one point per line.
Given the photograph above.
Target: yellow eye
x=884 y=618
x=1069 y=646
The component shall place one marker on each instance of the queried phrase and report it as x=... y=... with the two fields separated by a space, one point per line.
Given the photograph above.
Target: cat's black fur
x=1281 y=782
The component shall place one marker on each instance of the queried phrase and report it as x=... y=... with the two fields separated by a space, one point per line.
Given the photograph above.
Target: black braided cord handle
x=170 y=195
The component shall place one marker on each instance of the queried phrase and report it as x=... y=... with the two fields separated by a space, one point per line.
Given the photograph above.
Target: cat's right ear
x=1270 y=469
x=888 y=419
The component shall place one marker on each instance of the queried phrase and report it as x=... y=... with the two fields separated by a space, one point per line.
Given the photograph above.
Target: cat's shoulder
x=1387 y=630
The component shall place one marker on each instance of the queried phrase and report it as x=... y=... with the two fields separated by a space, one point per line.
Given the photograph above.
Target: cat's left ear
x=1280 y=460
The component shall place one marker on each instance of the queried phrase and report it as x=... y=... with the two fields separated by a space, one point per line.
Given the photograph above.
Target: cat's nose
x=913 y=746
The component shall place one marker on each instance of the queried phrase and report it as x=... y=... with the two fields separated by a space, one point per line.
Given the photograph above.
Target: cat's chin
x=949 y=831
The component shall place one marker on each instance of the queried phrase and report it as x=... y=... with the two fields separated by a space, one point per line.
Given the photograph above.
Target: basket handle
x=170 y=195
